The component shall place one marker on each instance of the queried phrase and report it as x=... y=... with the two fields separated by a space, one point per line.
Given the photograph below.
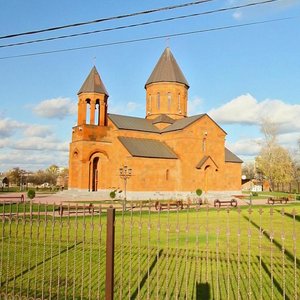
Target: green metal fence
x=194 y=253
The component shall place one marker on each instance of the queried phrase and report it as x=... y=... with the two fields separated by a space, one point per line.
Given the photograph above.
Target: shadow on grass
x=202 y=291
x=40 y=263
x=275 y=282
x=297 y=217
x=144 y=279
x=275 y=242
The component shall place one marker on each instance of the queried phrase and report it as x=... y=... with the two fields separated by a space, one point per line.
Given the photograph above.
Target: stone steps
x=104 y=195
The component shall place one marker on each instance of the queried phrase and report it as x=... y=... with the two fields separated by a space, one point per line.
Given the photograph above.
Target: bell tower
x=92 y=101
x=166 y=89
x=91 y=128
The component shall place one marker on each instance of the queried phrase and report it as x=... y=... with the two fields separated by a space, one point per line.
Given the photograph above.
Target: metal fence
x=194 y=253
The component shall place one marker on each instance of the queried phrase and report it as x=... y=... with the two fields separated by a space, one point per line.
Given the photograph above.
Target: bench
x=240 y=196
x=219 y=203
x=171 y=204
x=76 y=208
x=281 y=200
x=20 y=198
x=190 y=202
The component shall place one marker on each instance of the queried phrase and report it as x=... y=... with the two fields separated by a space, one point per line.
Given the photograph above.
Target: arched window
x=179 y=104
x=88 y=111
x=167 y=174
x=158 y=101
x=169 y=101
x=97 y=112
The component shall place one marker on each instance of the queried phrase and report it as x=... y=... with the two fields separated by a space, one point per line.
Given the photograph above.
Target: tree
x=296 y=166
x=52 y=173
x=16 y=175
x=248 y=169
x=273 y=161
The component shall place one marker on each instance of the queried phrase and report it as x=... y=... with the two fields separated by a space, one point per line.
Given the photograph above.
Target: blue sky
x=239 y=76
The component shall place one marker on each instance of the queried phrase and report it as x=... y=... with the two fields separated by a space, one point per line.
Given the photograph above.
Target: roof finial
x=168 y=42
x=94 y=60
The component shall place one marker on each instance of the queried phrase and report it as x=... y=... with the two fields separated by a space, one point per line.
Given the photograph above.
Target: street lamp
x=125 y=174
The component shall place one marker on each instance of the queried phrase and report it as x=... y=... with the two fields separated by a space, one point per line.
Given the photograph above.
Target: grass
x=191 y=254
x=265 y=195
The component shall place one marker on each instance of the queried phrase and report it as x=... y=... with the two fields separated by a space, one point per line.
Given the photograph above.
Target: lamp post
x=125 y=174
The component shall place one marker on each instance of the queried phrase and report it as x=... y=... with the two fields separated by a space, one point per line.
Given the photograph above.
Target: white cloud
x=132 y=106
x=37 y=130
x=245 y=147
x=237 y=15
x=57 y=108
x=4 y=142
x=194 y=106
x=8 y=127
x=128 y=109
x=29 y=160
x=245 y=109
x=39 y=143
x=289 y=139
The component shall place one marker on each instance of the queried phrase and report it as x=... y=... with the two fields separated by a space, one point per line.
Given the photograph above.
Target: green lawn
x=265 y=195
x=207 y=254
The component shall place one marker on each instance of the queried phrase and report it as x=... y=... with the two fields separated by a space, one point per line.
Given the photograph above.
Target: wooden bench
x=20 y=198
x=76 y=208
x=281 y=200
x=190 y=202
x=219 y=203
x=171 y=204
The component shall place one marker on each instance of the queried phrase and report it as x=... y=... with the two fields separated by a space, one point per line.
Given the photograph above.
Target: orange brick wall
x=202 y=138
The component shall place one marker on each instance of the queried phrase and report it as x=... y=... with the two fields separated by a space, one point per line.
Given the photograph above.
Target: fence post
x=110 y=249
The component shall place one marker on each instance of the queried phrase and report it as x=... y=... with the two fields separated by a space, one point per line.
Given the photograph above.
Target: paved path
x=58 y=199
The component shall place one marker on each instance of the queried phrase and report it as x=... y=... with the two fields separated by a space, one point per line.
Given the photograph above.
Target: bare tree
x=274 y=161
x=248 y=169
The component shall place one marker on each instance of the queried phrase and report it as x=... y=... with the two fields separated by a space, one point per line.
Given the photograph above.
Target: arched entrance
x=207 y=171
x=95 y=173
x=209 y=178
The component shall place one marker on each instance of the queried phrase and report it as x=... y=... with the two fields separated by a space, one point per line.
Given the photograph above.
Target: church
x=165 y=154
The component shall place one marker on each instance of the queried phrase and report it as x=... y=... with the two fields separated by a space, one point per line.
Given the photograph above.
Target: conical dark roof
x=93 y=84
x=167 y=70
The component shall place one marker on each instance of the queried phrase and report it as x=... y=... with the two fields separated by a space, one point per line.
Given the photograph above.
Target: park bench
x=281 y=200
x=219 y=203
x=170 y=204
x=75 y=208
x=195 y=201
x=12 y=199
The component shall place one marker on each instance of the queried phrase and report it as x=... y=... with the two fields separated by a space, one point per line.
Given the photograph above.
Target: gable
x=206 y=160
x=186 y=122
x=182 y=123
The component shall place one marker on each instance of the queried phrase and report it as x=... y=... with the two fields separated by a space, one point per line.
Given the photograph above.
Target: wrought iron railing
x=194 y=253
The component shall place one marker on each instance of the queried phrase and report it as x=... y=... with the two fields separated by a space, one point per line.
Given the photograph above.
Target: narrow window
x=158 y=101
x=97 y=113
x=167 y=174
x=179 y=104
x=169 y=101
x=88 y=111
x=204 y=145
x=150 y=103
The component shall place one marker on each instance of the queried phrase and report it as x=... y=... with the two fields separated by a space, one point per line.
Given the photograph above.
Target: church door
x=95 y=174
x=208 y=178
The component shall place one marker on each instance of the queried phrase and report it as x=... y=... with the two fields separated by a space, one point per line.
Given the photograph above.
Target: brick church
x=169 y=153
